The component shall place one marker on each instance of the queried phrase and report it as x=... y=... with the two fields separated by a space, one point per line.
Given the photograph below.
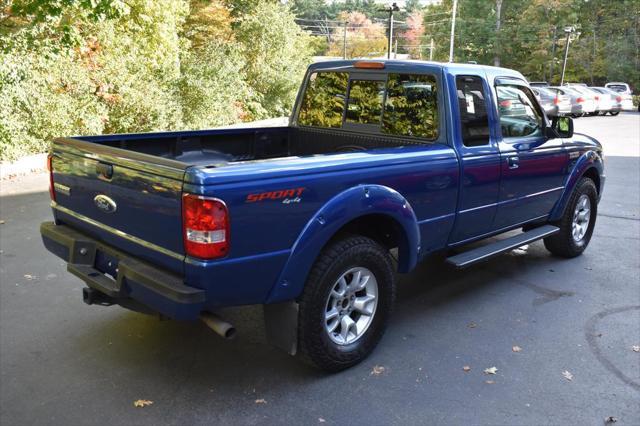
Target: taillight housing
x=205 y=227
x=580 y=100
x=52 y=190
x=505 y=104
x=618 y=98
x=556 y=100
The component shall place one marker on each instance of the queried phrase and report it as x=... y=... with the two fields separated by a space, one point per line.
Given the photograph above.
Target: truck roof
x=418 y=66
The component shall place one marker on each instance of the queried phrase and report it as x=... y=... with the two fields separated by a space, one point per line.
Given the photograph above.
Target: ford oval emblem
x=105 y=203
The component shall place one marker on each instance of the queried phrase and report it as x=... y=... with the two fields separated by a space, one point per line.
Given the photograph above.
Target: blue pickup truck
x=382 y=164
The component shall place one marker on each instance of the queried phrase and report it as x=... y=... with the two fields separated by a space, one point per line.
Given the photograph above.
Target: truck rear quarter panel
x=265 y=228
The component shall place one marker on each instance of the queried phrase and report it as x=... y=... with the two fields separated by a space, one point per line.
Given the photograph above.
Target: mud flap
x=281 y=322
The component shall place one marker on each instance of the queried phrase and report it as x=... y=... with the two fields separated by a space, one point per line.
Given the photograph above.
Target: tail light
x=505 y=104
x=556 y=100
x=597 y=98
x=580 y=100
x=618 y=98
x=205 y=223
x=52 y=191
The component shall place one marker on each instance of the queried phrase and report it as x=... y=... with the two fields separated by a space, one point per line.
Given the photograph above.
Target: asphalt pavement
x=575 y=322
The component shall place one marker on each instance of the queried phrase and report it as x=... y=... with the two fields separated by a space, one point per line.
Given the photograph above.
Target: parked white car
x=625 y=93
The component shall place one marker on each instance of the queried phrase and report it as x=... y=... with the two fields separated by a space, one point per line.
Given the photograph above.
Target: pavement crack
x=614 y=216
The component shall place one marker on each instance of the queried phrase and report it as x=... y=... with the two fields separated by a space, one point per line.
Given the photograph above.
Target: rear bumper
x=120 y=276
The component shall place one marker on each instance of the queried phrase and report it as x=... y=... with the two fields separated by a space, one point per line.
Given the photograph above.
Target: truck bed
x=218 y=147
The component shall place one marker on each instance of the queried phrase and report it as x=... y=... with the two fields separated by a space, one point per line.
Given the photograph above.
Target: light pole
x=393 y=8
x=567 y=31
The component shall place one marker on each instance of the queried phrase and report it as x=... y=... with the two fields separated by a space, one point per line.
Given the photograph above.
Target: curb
x=26 y=165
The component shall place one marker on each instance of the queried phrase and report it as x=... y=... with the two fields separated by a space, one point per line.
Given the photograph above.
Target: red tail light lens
x=618 y=98
x=580 y=100
x=205 y=223
x=597 y=98
x=556 y=100
x=52 y=191
x=505 y=104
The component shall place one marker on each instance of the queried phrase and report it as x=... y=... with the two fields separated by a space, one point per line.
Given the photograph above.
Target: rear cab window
x=394 y=104
x=472 y=107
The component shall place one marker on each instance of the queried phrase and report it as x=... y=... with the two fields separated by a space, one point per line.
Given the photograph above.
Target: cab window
x=474 y=122
x=365 y=102
x=519 y=116
x=324 y=99
x=411 y=106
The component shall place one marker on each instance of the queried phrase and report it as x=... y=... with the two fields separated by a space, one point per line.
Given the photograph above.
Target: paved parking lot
x=63 y=362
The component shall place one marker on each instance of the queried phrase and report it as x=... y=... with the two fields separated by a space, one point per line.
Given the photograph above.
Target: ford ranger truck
x=381 y=165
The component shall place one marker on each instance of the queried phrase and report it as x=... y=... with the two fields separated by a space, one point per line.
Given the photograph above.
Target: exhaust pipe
x=217 y=324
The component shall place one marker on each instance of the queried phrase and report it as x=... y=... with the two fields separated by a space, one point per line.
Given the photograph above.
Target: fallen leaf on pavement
x=142 y=403
x=261 y=401
x=1 y=222
x=491 y=370
x=466 y=368
x=377 y=370
x=489 y=382
x=29 y=277
x=321 y=420
x=610 y=419
x=567 y=375
x=635 y=348
x=472 y=325
x=516 y=349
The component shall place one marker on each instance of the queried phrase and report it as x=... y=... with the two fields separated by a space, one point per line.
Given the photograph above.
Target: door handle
x=513 y=162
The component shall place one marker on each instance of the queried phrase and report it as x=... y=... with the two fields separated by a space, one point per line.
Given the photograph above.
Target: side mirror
x=563 y=126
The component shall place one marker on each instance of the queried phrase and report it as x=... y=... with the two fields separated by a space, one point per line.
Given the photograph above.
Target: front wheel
x=346 y=303
x=614 y=113
x=577 y=222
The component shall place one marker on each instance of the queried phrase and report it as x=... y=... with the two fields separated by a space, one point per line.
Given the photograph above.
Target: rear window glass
x=365 y=102
x=474 y=122
x=400 y=105
x=617 y=87
x=323 y=102
x=411 y=107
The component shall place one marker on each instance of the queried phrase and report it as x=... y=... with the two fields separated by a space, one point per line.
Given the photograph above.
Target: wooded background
x=71 y=67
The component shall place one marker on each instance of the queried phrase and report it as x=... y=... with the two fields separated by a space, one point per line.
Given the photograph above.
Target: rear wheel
x=614 y=113
x=577 y=222
x=346 y=303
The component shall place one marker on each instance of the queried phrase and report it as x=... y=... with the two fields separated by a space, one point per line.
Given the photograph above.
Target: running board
x=479 y=254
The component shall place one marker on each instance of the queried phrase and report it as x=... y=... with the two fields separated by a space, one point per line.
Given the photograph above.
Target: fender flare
x=355 y=202
x=588 y=160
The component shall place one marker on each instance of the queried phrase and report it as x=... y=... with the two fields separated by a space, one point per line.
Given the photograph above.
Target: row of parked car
x=578 y=99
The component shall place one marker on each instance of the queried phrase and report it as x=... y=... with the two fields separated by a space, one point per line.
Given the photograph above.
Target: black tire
x=563 y=243
x=614 y=113
x=314 y=344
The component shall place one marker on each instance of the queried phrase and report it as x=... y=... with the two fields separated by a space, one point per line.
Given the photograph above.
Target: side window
x=474 y=122
x=365 y=102
x=323 y=101
x=411 y=106
x=518 y=114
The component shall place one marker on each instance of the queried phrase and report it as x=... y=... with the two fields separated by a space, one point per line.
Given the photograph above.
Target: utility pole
x=567 y=31
x=344 y=41
x=431 y=50
x=393 y=8
x=453 y=29
x=553 y=52
x=496 y=56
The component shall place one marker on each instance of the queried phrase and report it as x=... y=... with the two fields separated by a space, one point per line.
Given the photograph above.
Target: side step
x=479 y=254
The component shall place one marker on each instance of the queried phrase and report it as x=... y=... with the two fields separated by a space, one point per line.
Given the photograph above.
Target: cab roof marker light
x=369 y=65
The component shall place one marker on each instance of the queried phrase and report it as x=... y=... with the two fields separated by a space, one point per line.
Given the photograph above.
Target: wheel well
x=592 y=173
x=381 y=228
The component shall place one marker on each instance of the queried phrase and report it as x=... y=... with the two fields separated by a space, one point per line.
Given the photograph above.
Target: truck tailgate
x=126 y=199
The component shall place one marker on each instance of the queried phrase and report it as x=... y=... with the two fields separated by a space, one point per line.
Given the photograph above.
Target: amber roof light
x=369 y=65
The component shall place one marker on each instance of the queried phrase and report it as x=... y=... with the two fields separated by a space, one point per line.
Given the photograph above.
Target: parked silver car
x=589 y=94
x=614 y=97
x=580 y=104
x=553 y=103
